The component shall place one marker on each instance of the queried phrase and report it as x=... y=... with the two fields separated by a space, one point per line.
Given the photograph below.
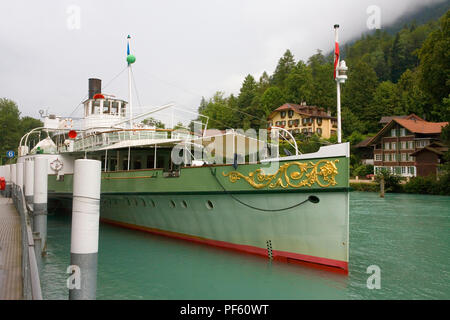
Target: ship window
x=150 y=162
x=151 y=203
x=115 y=107
x=172 y=204
x=137 y=164
x=96 y=107
x=160 y=162
x=184 y=204
x=209 y=204
x=106 y=106
x=112 y=164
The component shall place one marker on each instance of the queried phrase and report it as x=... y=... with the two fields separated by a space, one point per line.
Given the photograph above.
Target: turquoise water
x=406 y=236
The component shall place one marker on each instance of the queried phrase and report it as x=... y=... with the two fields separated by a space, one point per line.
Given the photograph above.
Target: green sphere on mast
x=131 y=59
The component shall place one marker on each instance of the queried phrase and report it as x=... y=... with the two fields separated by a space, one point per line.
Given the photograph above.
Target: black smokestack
x=95 y=86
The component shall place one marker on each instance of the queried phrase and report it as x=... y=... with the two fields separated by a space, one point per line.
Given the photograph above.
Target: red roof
x=415 y=126
x=303 y=109
x=388 y=119
x=421 y=126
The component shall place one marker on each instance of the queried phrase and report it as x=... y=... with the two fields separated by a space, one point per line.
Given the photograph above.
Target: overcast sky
x=185 y=49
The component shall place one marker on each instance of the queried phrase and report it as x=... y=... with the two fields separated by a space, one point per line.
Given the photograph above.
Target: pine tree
x=284 y=67
x=435 y=62
x=358 y=91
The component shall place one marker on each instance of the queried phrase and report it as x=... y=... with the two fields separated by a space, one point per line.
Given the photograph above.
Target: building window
x=290 y=113
x=410 y=145
x=403 y=145
x=394 y=145
x=386 y=157
x=402 y=132
x=403 y=170
x=377 y=157
x=319 y=121
x=306 y=121
x=386 y=146
x=393 y=132
x=296 y=122
x=403 y=156
x=394 y=157
x=283 y=114
x=421 y=143
x=411 y=170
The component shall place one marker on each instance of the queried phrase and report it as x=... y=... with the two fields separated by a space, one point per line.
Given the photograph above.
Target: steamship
x=240 y=194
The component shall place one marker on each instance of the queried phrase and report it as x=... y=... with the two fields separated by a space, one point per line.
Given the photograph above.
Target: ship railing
x=99 y=140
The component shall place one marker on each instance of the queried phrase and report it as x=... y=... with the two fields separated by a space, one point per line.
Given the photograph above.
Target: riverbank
x=417 y=185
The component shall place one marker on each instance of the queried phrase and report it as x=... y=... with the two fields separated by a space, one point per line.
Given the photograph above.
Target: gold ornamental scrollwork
x=292 y=174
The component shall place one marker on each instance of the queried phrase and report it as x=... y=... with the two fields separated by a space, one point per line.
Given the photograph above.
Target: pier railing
x=31 y=285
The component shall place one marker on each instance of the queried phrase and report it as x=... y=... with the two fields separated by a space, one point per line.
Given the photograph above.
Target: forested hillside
x=389 y=74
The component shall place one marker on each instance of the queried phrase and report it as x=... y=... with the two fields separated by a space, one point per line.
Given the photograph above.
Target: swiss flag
x=336 y=58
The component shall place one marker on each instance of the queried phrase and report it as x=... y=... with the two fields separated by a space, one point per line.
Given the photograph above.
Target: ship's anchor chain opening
x=312 y=199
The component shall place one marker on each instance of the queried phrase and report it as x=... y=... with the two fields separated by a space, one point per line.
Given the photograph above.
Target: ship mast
x=130 y=60
x=340 y=70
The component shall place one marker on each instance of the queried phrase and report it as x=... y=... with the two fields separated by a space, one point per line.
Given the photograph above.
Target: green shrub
x=429 y=185
x=363 y=170
x=366 y=187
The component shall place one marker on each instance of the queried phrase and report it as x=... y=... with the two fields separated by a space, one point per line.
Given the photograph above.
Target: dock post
x=40 y=200
x=28 y=180
x=19 y=175
x=382 y=187
x=85 y=227
x=7 y=173
x=13 y=180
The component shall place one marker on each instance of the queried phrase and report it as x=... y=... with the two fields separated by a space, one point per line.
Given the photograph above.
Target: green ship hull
x=245 y=208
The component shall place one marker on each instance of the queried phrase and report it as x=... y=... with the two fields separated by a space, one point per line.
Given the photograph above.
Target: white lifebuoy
x=56 y=165
x=68 y=123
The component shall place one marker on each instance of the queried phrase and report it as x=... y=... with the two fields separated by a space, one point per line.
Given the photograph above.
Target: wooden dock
x=10 y=252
